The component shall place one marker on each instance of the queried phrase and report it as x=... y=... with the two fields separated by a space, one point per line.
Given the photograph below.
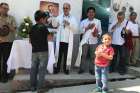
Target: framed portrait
x=51 y=7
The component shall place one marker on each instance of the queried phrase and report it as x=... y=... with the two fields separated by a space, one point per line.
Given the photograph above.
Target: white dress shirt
x=65 y=30
x=66 y=34
x=85 y=23
x=134 y=29
x=116 y=35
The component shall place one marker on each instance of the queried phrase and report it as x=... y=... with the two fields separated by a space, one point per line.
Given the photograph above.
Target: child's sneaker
x=104 y=91
x=98 y=89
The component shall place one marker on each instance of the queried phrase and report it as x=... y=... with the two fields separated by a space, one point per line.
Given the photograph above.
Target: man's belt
x=135 y=36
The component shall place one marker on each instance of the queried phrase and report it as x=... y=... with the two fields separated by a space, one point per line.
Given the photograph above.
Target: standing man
x=135 y=39
x=67 y=26
x=9 y=21
x=118 y=41
x=7 y=24
x=91 y=30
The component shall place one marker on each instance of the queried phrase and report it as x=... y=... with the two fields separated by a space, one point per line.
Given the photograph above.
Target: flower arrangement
x=25 y=27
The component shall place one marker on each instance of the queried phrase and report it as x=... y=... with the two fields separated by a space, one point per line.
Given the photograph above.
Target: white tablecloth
x=21 y=53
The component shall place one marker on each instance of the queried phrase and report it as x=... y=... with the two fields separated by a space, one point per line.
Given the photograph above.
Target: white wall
x=23 y=8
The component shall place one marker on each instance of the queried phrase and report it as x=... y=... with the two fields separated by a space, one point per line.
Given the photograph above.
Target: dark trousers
x=5 y=49
x=63 y=50
x=88 y=48
x=119 y=62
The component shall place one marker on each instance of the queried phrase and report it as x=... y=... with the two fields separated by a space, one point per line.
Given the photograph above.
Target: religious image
x=51 y=7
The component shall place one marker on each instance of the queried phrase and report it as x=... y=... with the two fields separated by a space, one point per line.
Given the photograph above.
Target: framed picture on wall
x=51 y=7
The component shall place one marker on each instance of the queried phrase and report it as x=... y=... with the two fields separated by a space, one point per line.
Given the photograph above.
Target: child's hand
x=98 y=53
x=50 y=37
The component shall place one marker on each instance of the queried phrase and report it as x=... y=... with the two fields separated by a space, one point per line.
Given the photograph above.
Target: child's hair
x=108 y=35
x=39 y=14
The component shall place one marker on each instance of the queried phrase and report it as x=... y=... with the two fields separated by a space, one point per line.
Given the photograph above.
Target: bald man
x=67 y=26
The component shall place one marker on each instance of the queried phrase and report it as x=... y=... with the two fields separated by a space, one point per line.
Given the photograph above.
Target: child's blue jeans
x=101 y=75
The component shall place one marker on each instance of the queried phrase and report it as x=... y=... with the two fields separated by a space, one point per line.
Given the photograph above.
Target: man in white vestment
x=67 y=26
x=91 y=30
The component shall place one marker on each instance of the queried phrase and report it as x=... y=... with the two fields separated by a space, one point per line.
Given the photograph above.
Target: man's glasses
x=65 y=8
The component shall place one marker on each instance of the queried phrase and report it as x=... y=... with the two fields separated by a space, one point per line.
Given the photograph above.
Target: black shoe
x=122 y=72
x=4 y=80
x=67 y=72
x=80 y=71
x=33 y=89
x=112 y=70
x=56 y=71
x=91 y=72
x=41 y=91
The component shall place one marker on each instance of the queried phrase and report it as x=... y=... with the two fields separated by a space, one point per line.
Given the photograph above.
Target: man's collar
x=66 y=16
x=90 y=19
